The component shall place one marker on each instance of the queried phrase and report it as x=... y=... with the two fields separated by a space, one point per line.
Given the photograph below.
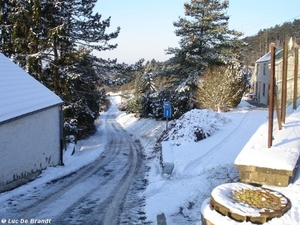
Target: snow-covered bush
x=184 y=129
x=85 y=117
x=220 y=88
x=70 y=131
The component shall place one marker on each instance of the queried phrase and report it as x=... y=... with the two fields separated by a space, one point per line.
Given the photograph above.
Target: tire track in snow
x=95 y=194
x=70 y=186
x=241 y=128
x=108 y=211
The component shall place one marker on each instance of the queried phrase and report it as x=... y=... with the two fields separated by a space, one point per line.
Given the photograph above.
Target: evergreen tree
x=135 y=105
x=205 y=41
x=82 y=94
x=5 y=27
x=53 y=41
x=148 y=81
x=258 y=45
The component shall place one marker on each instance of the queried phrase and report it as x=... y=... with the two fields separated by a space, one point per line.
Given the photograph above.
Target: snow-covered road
x=116 y=190
x=104 y=192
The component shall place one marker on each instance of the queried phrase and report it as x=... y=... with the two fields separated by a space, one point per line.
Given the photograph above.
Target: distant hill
x=258 y=45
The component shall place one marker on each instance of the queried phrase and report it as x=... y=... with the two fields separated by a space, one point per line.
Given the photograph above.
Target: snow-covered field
x=201 y=166
x=198 y=166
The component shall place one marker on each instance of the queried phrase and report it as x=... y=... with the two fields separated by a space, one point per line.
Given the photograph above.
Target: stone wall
x=264 y=176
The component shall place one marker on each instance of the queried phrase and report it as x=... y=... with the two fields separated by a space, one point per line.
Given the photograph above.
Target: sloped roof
x=20 y=93
x=267 y=57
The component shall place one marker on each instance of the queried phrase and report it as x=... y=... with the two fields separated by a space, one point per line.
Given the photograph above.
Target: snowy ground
x=201 y=166
x=198 y=166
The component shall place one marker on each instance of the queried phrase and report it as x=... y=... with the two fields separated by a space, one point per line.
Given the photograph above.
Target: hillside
x=258 y=45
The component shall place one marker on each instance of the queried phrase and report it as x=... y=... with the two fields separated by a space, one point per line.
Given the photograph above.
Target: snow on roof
x=20 y=93
x=267 y=57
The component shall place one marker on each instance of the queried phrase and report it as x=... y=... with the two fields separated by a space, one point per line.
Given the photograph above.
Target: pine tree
x=82 y=94
x=205 y=41
x=5 y=27
x=53 y=41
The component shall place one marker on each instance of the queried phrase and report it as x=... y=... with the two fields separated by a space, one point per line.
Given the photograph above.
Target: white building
x=261 y=77
x=30 y=126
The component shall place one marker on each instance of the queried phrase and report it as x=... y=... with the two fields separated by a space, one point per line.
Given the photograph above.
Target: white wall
x=29 y=145
x=263 y=79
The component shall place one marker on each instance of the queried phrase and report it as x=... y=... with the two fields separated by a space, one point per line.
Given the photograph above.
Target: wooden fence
x=284 y=83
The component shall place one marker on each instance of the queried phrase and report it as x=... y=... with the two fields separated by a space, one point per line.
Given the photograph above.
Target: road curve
x=105 y=192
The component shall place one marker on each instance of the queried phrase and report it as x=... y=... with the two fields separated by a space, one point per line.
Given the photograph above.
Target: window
x=264 y=90
x=265 y=65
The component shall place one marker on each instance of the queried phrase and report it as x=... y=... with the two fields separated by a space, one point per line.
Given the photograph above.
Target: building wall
x=290 y=79
x=262 y=82
x=27 y=146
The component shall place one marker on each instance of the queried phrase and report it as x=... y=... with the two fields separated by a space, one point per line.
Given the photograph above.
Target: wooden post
x=271 y=94
x=284 y=80
x=295 y=97
x=167 y=124
x=277 y=111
